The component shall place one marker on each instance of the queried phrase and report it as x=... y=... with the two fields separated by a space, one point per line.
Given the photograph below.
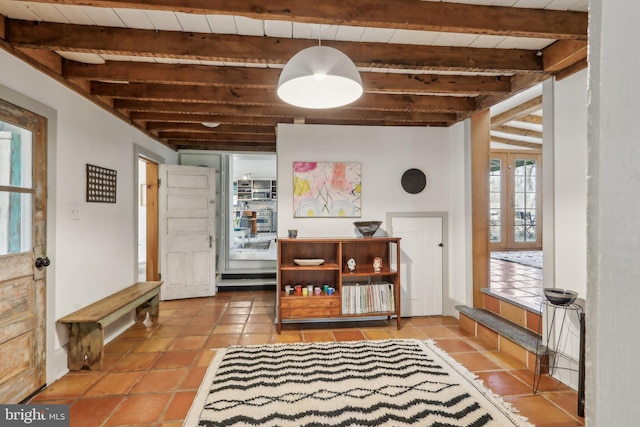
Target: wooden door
x=23 y=205
x=187 y=231
x=421 y=264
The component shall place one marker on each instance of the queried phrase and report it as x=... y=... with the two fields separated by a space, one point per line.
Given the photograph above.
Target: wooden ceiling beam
x=513 y=130
x=200 y=118
x=264 y=50
x=519 y=83
x=523 y=109
x=266 y=111
x=529 y=118
x=516 y=143
x=401 y=14
x=141 y=72
x=157 y=121
x=199 y=127
x=563 y=54
x=233 y=146
x=199 y=136
x=252 y=96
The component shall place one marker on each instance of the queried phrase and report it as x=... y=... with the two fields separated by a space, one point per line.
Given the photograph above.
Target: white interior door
x=187 y=231
x=421 y=264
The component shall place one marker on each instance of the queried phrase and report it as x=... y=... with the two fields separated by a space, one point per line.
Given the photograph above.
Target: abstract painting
x=327 y=189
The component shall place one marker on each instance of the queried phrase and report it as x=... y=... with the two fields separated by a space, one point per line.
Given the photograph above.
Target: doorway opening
x=253 y=208
x=147 y=202
x=515 y=199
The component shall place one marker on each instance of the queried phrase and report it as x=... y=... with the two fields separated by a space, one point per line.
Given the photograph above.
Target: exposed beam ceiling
x=167 y=66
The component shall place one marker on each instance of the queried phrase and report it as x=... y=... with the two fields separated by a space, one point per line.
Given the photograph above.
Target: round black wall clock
x=413 y=181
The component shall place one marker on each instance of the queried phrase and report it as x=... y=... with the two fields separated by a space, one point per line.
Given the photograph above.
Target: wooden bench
x=86 y=334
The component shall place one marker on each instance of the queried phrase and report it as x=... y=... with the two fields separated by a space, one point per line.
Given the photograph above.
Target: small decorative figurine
x=351 y=264
x=377 y=264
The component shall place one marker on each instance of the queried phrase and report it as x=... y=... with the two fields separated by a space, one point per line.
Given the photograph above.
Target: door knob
x=42 y=262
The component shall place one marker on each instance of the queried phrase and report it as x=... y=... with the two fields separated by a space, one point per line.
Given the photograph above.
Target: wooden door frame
x=153 y=161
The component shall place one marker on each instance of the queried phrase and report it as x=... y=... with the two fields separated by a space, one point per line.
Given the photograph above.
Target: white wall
x=385 y=154
x=259 y=166
x=570 y=176
x=91 y=257
x=564 y=208
x=613 y=223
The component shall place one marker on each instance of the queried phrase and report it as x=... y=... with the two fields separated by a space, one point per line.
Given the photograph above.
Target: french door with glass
x=515 y=201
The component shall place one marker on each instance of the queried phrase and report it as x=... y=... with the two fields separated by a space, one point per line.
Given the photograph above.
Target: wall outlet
x=74 y=211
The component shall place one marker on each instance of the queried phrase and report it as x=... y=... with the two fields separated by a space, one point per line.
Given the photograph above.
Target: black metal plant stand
x=546 y=355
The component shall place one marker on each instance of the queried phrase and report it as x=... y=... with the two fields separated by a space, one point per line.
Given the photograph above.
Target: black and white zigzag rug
x=355 y=383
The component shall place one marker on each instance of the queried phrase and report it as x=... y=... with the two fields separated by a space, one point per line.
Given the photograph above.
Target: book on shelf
x=367 y=298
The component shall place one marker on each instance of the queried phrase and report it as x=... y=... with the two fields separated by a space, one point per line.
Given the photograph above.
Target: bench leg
x=86 y=346
x=152 y=307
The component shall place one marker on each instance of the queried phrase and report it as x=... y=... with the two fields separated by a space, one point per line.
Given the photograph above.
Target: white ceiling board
x=482 y=2
x=135 y=18
x=524 y=43
x=48 y=13
x=517 y=99
x=532 y=4
x=76 y=15
x=255 y=65
x=302 y=30
x=103 y=16
x=213 y=63
x=425 y=37
x=283 y=29
x=249 y=26
x=506 y=3
x=349 y=34
x=87 y=58
x=487 y=41
x=377 y=35
x=454 y=39
x=222 y=24
x=127 y=58
x=327 y=32
x=164 y=21
x=193 y=23
x=580 y=6
x=403 y=36
x=16 y=10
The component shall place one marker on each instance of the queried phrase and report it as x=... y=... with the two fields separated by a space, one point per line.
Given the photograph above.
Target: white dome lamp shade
x=319 y=77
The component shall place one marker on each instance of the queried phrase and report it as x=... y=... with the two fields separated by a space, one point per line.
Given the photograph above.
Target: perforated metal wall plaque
x=413 y=181
x=101 y=184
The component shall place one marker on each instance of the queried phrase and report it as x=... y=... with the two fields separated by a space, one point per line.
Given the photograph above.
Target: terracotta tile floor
x=151 y=375
x=517 y=282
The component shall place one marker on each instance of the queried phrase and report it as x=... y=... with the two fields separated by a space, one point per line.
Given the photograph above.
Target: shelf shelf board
x=323 y=267
x=364 y=273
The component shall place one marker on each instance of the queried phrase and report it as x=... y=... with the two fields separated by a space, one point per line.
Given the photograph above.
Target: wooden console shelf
x=358 y=294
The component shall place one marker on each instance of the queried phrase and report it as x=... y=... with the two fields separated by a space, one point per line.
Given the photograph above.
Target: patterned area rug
x=530 y=258
x=355 y=383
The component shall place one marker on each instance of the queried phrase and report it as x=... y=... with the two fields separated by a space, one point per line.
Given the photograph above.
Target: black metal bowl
x=367 y=228
x=557 y=296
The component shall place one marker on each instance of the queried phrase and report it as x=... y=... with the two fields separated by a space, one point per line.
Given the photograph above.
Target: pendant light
x=319 y=77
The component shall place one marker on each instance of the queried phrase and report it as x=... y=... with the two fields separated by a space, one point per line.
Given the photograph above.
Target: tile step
x=521 y=336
